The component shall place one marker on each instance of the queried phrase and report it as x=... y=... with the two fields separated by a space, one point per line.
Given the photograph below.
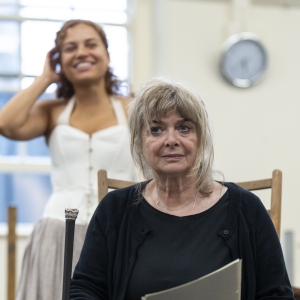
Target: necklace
x=158 y=202
x=89 y=113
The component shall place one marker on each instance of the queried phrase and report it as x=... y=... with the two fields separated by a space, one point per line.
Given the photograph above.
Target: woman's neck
x=175 y=190
x=180 y=196
x=91 y=95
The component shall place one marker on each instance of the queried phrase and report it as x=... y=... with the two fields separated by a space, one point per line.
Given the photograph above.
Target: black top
x=178 y=249
x=117 y=230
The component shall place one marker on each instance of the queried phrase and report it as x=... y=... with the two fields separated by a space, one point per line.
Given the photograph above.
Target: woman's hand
x=49 y=72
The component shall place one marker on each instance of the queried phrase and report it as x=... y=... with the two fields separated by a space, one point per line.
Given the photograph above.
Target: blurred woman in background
x=86 y=130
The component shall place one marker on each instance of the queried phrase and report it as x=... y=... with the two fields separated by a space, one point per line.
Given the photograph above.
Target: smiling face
x=84 y=57
x=169 y=146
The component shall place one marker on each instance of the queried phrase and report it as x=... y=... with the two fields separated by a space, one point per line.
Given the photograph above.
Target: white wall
x=255 y=129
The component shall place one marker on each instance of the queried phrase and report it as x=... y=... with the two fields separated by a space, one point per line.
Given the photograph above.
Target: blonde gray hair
x=156 y=99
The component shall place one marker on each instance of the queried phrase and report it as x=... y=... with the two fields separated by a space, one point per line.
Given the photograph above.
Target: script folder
x=222 y=284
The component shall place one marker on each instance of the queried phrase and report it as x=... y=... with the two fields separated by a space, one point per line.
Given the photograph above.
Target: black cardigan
x=117 y=229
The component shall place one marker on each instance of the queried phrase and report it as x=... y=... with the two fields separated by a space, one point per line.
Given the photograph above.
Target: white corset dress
x=76 y=158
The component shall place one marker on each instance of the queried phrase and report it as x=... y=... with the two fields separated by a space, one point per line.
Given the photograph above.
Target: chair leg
x=11 y=249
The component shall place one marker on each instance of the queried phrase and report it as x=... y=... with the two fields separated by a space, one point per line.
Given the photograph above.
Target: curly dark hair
x=65 y=88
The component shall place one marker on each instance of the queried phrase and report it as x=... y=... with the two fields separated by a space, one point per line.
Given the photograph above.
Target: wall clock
x=243 y=60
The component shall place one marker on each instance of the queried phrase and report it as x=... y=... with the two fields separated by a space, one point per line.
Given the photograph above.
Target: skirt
x=43 y=261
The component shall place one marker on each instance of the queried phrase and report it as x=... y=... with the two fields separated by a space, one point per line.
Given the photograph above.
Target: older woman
x=180 y=224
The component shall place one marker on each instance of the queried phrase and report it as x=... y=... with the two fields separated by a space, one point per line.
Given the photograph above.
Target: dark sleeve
x=90 y=278
x=272 y=280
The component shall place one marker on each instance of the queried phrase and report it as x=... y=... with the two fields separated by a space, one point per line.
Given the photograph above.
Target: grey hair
x=156 y=99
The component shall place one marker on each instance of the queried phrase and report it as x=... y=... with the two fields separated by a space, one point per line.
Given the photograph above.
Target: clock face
x=243 y=60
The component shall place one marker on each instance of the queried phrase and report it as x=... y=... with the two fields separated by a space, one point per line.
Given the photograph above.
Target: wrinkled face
x=84 y=57
x=170 y=147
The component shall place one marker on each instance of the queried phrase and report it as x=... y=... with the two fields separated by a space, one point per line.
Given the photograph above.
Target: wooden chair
x=11 y=252
x=105 y=183
x=296 y=293
x=275 y=184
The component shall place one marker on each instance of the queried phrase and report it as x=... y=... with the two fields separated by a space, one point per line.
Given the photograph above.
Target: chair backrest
x=275 y=184
x=105 y=183
x=296 y=291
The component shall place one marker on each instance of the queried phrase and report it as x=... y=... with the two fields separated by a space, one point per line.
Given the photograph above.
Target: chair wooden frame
x=275 y=184
x=105 y=183
x=11 y=252
x=296 y=293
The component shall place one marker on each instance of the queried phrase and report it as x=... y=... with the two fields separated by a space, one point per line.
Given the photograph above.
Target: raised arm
x=22 y=118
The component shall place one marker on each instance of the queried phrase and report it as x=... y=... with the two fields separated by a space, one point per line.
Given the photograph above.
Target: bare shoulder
x=125 y=102
x=53 y=109
x=51 y=104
